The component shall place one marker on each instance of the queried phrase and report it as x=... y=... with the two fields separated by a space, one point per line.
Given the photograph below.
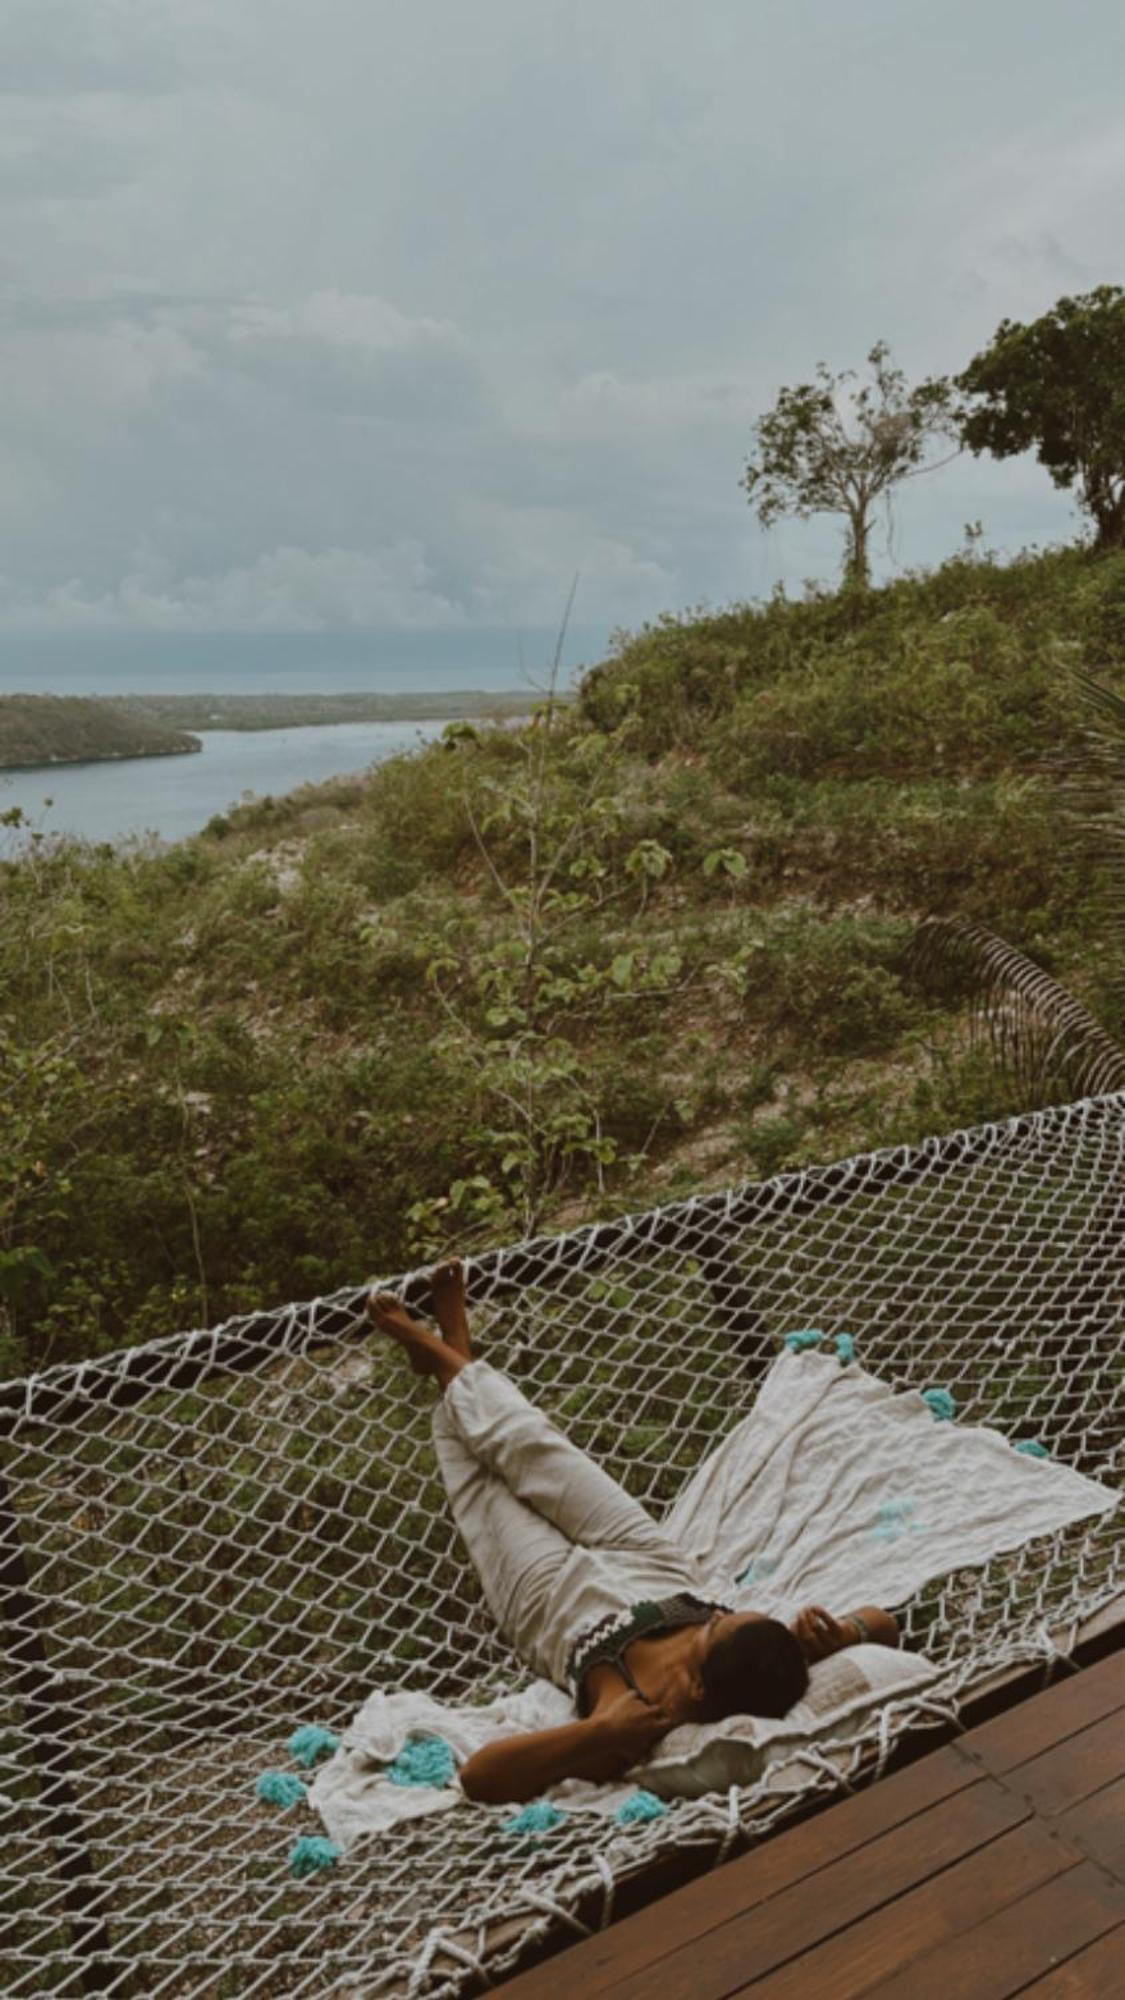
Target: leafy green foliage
x=1057 y=385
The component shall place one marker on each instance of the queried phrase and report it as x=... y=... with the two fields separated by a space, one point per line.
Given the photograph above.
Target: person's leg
x=617 y=1555
x=426 y=1351
x=543 y=1467
x=510 y=1438
x=556 y=1543
x=517 y=1555
x=451 y=1306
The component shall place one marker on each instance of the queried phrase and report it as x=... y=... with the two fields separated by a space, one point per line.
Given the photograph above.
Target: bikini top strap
x=625 y=1671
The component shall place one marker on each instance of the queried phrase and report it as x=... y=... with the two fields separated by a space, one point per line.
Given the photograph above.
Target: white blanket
x=835 y=1489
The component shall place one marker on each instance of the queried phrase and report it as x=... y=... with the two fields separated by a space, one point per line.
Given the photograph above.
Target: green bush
x=834 y=985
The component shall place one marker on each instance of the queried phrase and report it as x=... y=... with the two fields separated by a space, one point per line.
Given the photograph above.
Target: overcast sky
x=344 y=314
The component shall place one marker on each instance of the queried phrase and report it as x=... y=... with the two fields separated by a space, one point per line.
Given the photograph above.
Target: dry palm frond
x=1094 y=792
x=1039 y=1033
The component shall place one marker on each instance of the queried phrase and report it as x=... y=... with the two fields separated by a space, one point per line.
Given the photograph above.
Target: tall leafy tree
x=1057 y=386
x=830 y=447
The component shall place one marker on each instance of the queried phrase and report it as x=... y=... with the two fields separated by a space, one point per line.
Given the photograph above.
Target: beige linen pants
x=556 y=1543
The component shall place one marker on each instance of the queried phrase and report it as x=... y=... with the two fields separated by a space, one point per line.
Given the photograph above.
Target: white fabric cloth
x=353 y=1796
x=836 y=1488
x=842 y=1490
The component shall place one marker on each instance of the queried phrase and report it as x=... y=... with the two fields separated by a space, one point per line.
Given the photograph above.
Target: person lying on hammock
x=585 y=1585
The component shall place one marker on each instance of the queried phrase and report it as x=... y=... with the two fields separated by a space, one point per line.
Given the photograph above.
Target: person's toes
x=449 y=1276
x=385 y=1308
x=447 y=1287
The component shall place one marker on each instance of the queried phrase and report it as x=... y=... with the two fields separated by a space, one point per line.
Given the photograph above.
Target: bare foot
x=426 y=1353
x=447 y=1285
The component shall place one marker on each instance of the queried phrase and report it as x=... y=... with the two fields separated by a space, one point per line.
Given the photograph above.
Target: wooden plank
x=999 y=1956
x=1073 y=1769
x=1094 y=1974
x=1097 y=1826
x=869 y=1952
x=760 y=1938
x=1060 y=1711
x=742 y=1884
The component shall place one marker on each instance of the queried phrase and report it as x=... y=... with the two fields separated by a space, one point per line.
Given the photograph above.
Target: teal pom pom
x=539 y=1817
x=310 y=1741
x=279 y=1788
x=311 y=1853
x=423 y=1760
x=943 y=1405
x=845 y=1349
x=641 y=1807
x=797 y=1342
x=1031 y=1448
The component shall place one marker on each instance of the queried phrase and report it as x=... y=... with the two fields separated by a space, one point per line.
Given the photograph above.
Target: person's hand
x=632 y=1726
x=818 y=1633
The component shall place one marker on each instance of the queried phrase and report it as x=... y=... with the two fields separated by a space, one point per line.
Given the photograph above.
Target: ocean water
x=173 y=797
x=176 y=796
x=286 y=662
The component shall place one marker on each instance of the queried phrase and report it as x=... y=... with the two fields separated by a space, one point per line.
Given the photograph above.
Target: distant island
x=293 y=711
x=81 y=729
x=39 y=729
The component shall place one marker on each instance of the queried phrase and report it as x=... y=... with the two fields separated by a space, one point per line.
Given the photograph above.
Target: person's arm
x=605 y=1745
x=820 y=1634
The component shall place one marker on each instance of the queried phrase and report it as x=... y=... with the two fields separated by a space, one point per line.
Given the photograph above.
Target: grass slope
x=652 y=941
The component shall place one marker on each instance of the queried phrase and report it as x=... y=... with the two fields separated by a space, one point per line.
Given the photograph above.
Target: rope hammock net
x=216 y=1536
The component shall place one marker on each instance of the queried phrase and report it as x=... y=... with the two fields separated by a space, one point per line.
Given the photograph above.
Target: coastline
x=47 y=732
x=274 y=710
x=175 y=797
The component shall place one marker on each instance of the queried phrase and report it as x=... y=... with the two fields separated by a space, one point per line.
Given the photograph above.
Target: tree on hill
x=826 y=448
x=1058 y=385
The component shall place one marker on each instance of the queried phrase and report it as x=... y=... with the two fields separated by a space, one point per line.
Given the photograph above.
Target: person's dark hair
x=757 y=1669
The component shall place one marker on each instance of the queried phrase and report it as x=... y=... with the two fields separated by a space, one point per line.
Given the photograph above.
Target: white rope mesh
x=218 y=1536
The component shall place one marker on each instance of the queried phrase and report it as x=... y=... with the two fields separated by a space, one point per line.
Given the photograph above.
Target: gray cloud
x=78 y=48
x=353 y=316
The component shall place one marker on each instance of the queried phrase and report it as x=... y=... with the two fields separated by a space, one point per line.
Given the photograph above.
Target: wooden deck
x=993 y=1866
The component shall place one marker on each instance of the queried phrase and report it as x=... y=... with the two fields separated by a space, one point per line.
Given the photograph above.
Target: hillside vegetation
x=652 y=941
x=80 y=729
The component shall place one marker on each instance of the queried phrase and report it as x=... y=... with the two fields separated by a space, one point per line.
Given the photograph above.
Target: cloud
x=54 y=154
x=356 y=350
x=64 y=48
x=656 y=404
x=72 y=384
x=355 y=322
x=285 y=590
x=317 y=317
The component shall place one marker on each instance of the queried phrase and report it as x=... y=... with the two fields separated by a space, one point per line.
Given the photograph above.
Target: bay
x=174 y=797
